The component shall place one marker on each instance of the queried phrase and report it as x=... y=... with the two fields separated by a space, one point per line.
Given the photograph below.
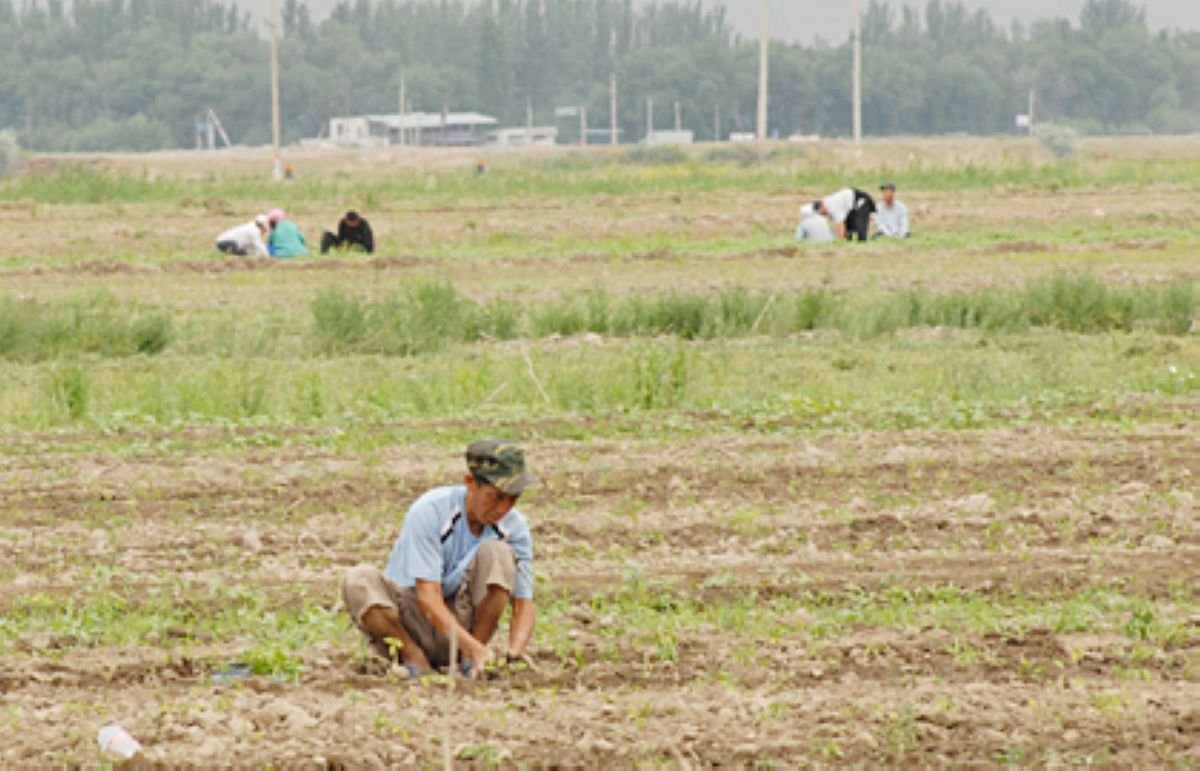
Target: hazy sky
x=830 y=19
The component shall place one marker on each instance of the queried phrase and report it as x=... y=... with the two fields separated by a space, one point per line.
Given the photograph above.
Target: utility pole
x=857 y=74
x=278 y=172
x=649 y=117
x=612 y=108
x=583 y=127
x=403 y=101
x=678 y=115
x=763 y=30
x=1032 y=101
x=717 y=124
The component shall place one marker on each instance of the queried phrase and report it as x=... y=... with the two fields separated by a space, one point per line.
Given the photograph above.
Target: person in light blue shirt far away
x=463 y=555
x=813 y=228
x=891 y=218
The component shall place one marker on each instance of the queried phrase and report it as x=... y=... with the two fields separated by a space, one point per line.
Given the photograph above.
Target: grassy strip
x=637 y=171
x=653 y=618
x=432 y=316
x=826 y=382
x=429 y=317
x=660 y=614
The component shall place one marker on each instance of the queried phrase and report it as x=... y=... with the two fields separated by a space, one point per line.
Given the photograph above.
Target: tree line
x=136 y=74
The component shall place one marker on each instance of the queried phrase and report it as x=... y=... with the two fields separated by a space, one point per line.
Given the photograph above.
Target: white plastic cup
x=116 y=742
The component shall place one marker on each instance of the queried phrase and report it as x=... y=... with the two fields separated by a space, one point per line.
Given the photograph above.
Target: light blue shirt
x=436 y=544
x=814 y=230
x=892 y=221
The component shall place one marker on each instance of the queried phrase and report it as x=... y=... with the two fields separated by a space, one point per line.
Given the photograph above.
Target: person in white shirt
x=850 y=209
x=891 y=218
x=245 y=240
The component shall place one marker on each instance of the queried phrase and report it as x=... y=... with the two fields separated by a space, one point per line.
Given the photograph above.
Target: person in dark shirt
x=354 y=232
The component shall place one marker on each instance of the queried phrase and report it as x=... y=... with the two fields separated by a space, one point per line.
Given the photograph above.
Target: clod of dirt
x=283 y=711
x=249 y=540
x=1158 y=542
x=1133 y=489
x=219 y=206
x=37 y=641
x=977 y=504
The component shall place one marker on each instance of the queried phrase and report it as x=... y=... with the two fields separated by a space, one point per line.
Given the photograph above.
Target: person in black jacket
x=354 y=232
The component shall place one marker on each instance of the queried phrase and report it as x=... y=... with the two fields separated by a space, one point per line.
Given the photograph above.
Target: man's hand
x=520 y=660
x=479 y=656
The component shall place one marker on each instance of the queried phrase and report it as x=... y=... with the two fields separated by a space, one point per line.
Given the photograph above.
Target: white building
x=449 y=129
x=427 y=129
x=669 y=138
x=536 y=136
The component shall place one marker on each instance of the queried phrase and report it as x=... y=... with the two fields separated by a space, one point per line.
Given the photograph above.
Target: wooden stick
x=447 y=754
x=533 y=376
x=762 y=313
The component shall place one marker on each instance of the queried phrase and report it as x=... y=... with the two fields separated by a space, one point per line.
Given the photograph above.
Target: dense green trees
x=134 y=74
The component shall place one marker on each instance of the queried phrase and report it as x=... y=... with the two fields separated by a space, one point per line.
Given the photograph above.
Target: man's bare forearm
x=520 y=627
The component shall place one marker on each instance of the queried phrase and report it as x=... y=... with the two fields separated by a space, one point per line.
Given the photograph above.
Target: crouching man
x=463 y=555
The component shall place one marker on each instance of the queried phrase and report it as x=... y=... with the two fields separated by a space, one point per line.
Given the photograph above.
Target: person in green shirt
x=286 y=239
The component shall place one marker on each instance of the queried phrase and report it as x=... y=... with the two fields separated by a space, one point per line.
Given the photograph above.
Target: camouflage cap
x=501 y=463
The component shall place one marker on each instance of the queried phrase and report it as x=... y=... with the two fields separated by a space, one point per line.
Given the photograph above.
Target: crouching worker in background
x=891 y=216
x=286 y=239
x=246 y=240
x=813 y=228
x=353 y=232
x=851 y=210
x=464 y=554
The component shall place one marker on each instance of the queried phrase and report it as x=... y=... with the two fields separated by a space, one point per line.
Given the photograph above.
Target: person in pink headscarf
x=286 y=239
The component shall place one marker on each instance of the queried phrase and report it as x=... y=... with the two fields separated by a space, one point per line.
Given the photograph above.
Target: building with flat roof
x=427 y=129
x=421 y=129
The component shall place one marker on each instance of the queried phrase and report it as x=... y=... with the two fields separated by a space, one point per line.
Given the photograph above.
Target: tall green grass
x=429 y=317
x=95 y=324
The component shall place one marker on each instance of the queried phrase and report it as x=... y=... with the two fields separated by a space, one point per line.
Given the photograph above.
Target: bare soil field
x=936 y=543
x=734 y=529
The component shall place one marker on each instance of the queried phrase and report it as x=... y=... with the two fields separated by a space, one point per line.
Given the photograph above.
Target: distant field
x=929 y=502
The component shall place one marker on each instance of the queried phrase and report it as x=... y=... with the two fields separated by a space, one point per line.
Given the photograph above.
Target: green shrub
x=575 y=160
x=741 y=154
x=340 y=322
x=660 y=376
x=654 y=155
x=68 y=389
x=1063 y=141
x=1178 y=308
x=426 y=317
x=789 y=152
x=97 y=324
x=152 y=334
